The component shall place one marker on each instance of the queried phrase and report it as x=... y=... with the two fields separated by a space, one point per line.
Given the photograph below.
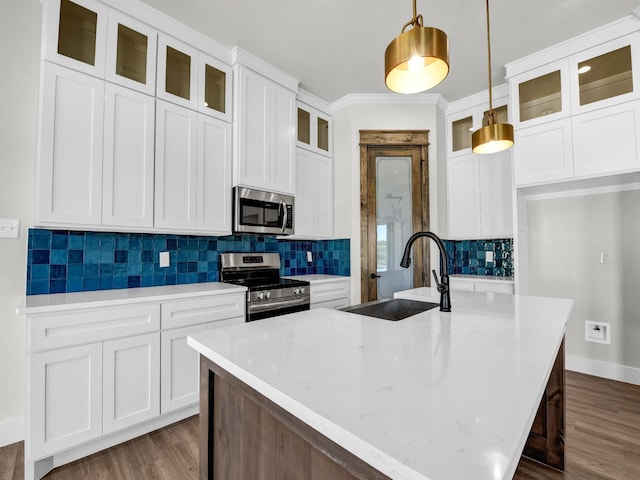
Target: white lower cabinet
x=98 y=375
x=468 y=284
x=65 y=399
x=131 y=381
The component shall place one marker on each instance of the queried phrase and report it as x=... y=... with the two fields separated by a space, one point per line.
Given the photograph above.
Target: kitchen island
x=331 y=394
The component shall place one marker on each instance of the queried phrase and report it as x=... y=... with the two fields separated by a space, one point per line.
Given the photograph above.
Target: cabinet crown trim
x=246 y=59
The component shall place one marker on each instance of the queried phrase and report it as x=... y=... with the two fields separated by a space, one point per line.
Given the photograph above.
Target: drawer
x=214 y=308
x=322 y=292
x=77 y=327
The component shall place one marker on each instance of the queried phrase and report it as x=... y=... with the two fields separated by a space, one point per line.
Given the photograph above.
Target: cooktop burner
x=256 y=271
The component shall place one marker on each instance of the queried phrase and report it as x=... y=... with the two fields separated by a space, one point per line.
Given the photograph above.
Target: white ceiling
x=336 y=47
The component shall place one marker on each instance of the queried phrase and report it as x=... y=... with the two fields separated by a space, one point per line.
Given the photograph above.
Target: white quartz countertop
x=318 y=278
x=64 y=301
x=434 y=396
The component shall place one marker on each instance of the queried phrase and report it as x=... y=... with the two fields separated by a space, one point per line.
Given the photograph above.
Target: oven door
x=262 y=310
x=256 y=211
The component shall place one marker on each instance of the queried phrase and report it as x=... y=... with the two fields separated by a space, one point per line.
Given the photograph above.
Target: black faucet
x=443 y=284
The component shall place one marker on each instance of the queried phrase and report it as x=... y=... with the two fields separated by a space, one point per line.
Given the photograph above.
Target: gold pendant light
x=418 y=59
x=492 y=137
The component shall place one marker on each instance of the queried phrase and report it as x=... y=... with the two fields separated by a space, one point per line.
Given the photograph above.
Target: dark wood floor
x=602 y=442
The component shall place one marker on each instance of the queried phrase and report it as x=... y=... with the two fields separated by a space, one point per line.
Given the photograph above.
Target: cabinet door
x=464 y=200
x=324 y=202
x=314 y=198
x=131 y=53
x=496 y=209
x=180 y=369
x=177 y=79
x=175 y=172
x=131 y=386
x=282 y=151
x=65 y=398
x=69 y=167
x=607 y=140
x=214 y=175
x=251 y=161
x=76 y=34
x=543 y=153
x=129 y=121
x=214 y=87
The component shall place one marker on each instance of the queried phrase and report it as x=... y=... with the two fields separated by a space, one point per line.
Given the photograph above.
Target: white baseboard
x=11 y=431
x=612 y=371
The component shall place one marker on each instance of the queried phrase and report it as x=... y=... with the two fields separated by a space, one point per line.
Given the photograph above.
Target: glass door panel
x=323 y=134
x=461 y=131
x=304 y=126
x=394 y=223
x=77 y=32
x=214 y=88
x=605 y=76
x=178 y=74
x=131 y=57
x=540 y=96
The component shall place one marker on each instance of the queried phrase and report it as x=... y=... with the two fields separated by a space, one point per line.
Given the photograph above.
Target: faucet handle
x=441 y=287
x=435 y=277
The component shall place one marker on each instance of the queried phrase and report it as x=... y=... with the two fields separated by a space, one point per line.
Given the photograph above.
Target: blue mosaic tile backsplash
x=61 y=261
x=469 y=257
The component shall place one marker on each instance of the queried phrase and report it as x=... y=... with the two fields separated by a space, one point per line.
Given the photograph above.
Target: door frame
x=389 y=140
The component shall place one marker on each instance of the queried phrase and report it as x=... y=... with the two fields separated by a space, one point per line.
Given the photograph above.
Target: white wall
x=566 y=236
x=382 y=112
x=20 y=25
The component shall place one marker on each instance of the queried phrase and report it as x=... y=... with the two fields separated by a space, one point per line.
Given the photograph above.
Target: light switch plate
x=489 y=256
x=9 y=228
x=309 y=257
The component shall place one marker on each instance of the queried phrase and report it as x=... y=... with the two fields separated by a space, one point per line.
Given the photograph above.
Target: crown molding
x=389 y=99
x=242 y=57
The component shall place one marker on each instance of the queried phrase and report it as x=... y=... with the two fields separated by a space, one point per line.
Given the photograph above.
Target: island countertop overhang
x=437 y=395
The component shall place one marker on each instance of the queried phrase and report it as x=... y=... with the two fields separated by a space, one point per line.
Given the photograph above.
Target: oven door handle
x=263 y=307
x=284 y=219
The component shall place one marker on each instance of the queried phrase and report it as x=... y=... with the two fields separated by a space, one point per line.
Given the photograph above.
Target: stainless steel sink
x=391 y=309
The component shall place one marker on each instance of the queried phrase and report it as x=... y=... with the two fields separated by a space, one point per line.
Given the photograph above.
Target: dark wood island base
x=244 y=435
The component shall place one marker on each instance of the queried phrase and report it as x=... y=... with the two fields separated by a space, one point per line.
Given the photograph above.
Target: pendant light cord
x=416 y=21
x=492 y=119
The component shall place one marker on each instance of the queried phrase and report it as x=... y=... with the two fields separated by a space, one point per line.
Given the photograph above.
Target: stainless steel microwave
x=261 y=212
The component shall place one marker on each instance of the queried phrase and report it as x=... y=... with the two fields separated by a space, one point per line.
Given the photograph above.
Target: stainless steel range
x=268 y=295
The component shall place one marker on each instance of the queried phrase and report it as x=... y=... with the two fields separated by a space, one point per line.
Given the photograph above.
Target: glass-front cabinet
x=177 y=80
x=131 y=53
x=462 y=125
x=76 y=36
x=314 y=129
x=606 y=75
x=214 y=87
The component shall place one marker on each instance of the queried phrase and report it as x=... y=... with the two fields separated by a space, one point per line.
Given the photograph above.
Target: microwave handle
x=284 y=218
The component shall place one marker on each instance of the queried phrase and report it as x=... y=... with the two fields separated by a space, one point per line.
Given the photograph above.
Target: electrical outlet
x=309 y=257
x=488 y=256
x=605 y=257
x=598 y=332
x=164 y=259
x=9 y=228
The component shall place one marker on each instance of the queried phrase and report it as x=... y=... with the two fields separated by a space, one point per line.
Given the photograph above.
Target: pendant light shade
x=493 y=136
x=417 y=59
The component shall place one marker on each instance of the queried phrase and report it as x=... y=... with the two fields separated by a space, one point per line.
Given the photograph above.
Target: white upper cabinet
x=314 y=130
x=175 y=176
x=577 y=115
x=177 y=72
x=69 y=166
x=314 y=197
x=128 y=163
x=131 y=53
x=76 y=35
x=479 y=186
x=264 y=154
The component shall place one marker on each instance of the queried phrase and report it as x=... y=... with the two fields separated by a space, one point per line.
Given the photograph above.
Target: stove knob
x=267 y=294
x=260 y=295
x=296 y=291
x=301 y=290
